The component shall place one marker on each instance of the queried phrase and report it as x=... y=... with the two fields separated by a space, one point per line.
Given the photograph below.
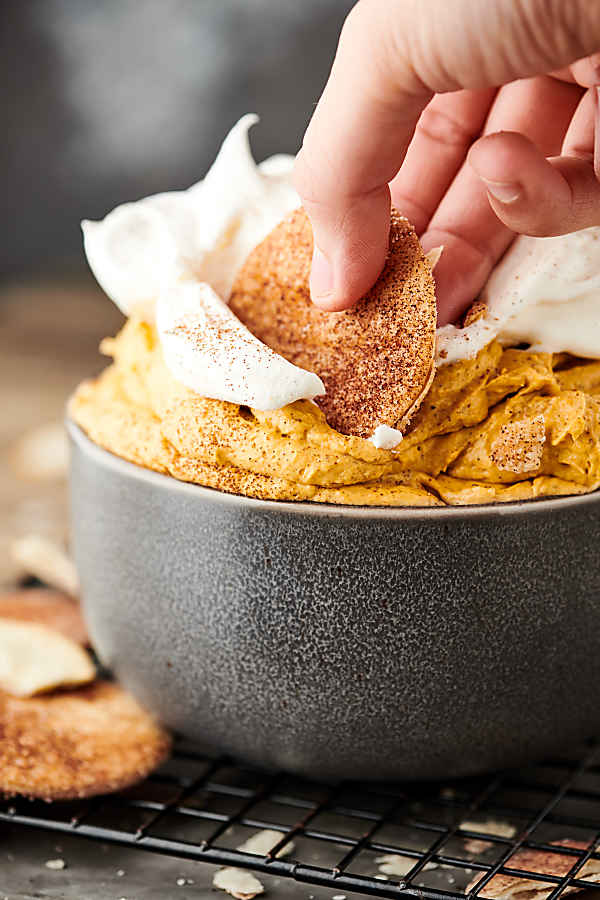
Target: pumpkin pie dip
x=512 y=413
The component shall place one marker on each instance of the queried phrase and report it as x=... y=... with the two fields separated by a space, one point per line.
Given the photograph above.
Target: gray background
x=107 y=101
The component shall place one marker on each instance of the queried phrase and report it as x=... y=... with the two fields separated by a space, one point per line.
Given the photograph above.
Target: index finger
x=353 y=147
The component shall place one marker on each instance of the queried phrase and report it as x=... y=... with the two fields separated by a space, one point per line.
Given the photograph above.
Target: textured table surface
x=102 y=872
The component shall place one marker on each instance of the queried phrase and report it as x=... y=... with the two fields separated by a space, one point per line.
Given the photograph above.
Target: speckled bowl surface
x=341 y=641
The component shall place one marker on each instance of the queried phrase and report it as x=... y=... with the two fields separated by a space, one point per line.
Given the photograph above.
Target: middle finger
x=474 y=238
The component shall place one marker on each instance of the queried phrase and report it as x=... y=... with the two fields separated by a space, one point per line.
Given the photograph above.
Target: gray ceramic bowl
x=340 y=641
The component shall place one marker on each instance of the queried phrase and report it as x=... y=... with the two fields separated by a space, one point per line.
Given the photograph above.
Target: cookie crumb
x=263 y=842
x=475 y=312
x=240 y=884
x=474 y=846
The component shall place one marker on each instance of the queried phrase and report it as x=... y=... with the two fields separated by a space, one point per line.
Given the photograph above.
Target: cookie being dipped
x=376 y=359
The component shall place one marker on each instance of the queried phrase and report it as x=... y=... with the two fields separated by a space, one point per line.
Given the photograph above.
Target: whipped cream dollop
x=172 y=258
x=544 y=292
x=203 y=342
x=386 y=438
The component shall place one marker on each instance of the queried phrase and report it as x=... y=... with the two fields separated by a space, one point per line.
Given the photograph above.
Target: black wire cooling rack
x=434 y=841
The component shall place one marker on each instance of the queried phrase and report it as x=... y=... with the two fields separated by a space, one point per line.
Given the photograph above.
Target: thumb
x=393 y=55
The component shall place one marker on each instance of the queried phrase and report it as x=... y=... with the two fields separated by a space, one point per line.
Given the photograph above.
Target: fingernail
x=504 y=192
x=321 y=276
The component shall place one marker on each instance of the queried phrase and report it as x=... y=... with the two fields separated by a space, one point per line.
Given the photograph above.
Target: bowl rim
x=497 y=511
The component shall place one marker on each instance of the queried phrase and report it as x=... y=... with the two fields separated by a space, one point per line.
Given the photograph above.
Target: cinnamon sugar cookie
x=376 y=359
x=77 y=743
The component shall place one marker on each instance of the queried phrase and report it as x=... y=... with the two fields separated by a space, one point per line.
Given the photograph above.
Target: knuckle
x=380 y=36
x=441 y=128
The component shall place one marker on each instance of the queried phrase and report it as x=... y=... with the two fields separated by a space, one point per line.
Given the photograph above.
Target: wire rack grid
x=435 y=841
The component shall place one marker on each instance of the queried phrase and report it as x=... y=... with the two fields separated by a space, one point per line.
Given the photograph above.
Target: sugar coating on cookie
x=376 y=359
x=77 y=743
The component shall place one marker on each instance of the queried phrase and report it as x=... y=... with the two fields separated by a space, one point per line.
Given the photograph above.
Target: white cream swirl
x=205 y=344
x=173 y=257
x=544 y=292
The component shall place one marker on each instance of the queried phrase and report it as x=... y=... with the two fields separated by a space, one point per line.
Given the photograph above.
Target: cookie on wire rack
x=77 y=743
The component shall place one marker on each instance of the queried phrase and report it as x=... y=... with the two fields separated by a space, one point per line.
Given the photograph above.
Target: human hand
x=412 y=114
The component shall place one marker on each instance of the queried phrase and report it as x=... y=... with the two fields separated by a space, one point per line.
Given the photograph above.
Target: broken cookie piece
x=264 y=841
x=46 y=606
x=376 y=360
x=35 y=658
x=238 y=883
x=542 y=862
x=398 y=865
x=475 y=846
